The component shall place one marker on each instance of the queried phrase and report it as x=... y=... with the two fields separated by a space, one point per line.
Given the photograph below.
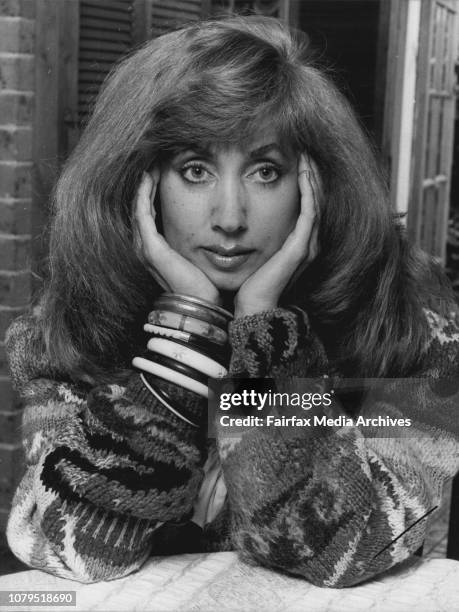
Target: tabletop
x=220 y=581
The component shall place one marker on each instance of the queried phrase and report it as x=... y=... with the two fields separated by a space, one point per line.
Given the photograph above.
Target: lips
x=228 y=251
x=227 y=258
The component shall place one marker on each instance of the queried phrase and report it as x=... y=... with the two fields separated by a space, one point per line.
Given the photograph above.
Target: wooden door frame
x=423 y=100
x=402 y=22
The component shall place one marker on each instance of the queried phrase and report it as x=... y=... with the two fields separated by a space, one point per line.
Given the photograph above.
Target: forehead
x=259 y=143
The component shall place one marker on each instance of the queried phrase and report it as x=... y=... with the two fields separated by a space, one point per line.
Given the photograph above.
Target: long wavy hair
x=222 y=81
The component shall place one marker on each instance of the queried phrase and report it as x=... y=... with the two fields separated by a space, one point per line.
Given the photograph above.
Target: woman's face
x=227 y=210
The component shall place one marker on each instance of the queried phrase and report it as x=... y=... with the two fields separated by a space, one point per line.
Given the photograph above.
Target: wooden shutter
x=108 y=29
x=107 y=33
x=283 y=9
x=166 y=15
x=432 y=160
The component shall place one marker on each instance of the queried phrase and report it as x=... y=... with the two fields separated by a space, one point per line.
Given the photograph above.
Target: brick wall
x=16 y=117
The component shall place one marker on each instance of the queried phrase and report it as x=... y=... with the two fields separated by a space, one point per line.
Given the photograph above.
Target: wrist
x=246 y=309
x=189 y=345
x=212 y=297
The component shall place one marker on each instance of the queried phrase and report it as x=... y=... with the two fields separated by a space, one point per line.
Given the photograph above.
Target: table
x=219 y=581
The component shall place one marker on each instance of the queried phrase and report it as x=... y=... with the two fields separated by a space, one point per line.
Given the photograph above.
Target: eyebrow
x=259 y=151
x=255 y=153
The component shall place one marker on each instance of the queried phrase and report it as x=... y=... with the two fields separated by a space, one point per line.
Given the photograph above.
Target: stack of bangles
x=189 y=345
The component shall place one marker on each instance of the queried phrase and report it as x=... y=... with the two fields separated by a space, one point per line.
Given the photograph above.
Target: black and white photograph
x=229 y=305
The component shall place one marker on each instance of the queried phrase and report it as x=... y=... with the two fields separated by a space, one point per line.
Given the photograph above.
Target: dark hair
x=222 y=81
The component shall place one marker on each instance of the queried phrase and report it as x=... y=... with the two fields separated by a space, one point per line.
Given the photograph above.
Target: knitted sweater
x=111 y=474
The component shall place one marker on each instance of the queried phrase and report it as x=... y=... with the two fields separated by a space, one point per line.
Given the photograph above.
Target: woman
x=223 y=167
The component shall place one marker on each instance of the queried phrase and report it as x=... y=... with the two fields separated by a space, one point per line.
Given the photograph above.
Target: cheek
x=278 y=215
x=177 y=216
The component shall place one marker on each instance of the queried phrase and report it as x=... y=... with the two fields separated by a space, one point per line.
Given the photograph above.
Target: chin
x=228 y=285
x=227 y=282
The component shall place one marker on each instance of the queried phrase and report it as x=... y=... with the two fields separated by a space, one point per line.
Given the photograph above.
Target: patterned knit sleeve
x=338 y=505
x=104 y=470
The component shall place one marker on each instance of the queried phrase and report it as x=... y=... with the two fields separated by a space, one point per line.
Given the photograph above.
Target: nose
x=229 y=211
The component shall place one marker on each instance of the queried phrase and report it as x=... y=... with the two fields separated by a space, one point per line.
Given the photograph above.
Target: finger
x=139 y=250
x=313 y=245
x=137 y=241
x=308 y=175
x=312 y=250
x=316 y=187
x=308 y=209
x=145 y=216
x=160 y=279
x=312 y=174
x=145 y=191
x=155 y=180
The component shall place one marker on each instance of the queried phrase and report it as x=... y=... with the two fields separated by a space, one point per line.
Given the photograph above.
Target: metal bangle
x=188 y=324
x=191 y=310
x=171 y=375
x=159 y=385
x=204 y=345
x=160 y=397
x=195 y=300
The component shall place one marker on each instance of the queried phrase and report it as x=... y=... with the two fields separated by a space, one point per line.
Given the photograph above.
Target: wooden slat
x=115 y=46
x=165 y=12
x=98 y=24
x=90 y=87
x=88 y=68
x=435 y=106
x=428 y=218
x=416 y=216
x=89 y=77
x=86 y=107
x=446 y=44
x=106 y=34
x=86 y=98
x=440 y=230
x=398 y=24
x=179 y=5
x=440 y=43
x=105 y=57
x=108 y=16
x=106 y=5
x=448 y=127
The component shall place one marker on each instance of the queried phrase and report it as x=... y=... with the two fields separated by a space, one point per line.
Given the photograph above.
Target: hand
x=170 y=269
x=261 y=291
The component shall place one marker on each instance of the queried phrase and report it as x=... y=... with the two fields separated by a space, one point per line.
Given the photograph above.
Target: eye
x=194 y=173
x=267 y=173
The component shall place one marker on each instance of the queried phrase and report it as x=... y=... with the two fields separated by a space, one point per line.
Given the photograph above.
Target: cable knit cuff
x=277 y=342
